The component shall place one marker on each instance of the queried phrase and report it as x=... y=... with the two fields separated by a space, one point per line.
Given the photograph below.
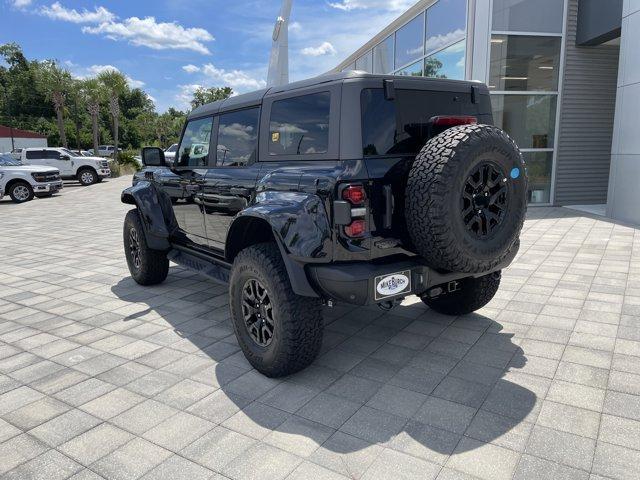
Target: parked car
x=23 y=182
x=107 y=150
x=87 y=170
x=351 y=187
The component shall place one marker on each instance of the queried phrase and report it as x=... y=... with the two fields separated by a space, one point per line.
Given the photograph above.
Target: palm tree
x=94 y=95
x=115 y=85
x=55 y=83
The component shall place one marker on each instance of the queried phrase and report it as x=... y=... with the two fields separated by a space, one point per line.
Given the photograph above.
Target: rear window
x=300 y=125
x=401 y=126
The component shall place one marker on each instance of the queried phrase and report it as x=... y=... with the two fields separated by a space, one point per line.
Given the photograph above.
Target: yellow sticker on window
x=275 y=137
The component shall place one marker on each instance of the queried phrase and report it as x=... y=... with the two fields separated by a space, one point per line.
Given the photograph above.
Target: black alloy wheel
x=257 y=312
x=484 y=199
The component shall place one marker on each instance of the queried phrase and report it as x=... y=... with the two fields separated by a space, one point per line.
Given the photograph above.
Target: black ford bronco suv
x=348 y=187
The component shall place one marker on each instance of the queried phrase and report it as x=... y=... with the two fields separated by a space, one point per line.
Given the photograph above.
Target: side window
x=300 y=125
x=194 y=147
x=238 y=138
x=33 y=154
x=53 y=154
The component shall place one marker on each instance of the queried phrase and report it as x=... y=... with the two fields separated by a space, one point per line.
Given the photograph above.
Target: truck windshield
x=8 y=161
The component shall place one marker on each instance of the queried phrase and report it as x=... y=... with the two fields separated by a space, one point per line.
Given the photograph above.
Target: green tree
x=55 y=83
x=115 y=85
x=94 y=95
x=202 y=95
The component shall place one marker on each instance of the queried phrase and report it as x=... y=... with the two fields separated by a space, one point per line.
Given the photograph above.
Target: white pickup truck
x=23 y=182
x=87 y=170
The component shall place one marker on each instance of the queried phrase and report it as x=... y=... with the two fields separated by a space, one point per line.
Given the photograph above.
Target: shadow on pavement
x=455 y=378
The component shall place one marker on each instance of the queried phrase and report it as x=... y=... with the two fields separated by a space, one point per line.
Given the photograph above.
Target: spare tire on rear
x=466 y=199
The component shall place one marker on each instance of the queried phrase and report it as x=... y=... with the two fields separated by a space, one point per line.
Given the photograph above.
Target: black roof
x=254 y=98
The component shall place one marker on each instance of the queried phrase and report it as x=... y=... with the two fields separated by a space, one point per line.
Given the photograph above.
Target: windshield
x=9 y=161
x=172 y=148
x=69 y=152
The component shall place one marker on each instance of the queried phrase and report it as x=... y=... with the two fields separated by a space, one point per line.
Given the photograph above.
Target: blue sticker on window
x=515 y=173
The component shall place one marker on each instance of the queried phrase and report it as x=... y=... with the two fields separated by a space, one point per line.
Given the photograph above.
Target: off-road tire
x=152 y=267
x=434 y=196
x=474 y=294
x=20 y=186
x=84 y=174
x=298 y=324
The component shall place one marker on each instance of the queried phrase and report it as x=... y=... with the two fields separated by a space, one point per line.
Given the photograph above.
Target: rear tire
x=21 y=192
x=280 y=332
x=466 y=199
x=147 y=266
x=474 y=294
x=87 y=176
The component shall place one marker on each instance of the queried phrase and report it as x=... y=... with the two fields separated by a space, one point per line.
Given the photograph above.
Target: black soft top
x=255 y=98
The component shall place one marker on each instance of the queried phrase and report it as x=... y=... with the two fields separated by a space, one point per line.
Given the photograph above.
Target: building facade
x=552 y=69
x=12 y=138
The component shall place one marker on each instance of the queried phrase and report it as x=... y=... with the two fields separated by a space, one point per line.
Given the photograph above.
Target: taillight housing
x=356 y=229
x=448 y=121
x=354 y=194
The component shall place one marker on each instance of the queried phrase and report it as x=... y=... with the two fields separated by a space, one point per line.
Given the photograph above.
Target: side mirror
x=65 y=157
x=153 y=157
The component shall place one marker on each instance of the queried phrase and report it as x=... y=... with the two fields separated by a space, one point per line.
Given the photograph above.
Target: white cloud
x=185 y=95
x=190 y=68
x=325 y=48
x=295 y=27
x=236 y=79
x=57 y=12
x=390 y=5
x=156 y=35
x=22 y=3
x=437 y=42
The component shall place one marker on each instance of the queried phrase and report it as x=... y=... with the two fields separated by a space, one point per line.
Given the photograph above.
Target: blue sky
x=168 y=47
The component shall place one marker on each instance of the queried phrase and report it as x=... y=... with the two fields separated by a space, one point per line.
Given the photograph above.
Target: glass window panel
x=446 y=24
x=238 y=137
x=194 y=147
x=543 y=16
x=410 y=41
x=365 y=63
x=414 y=70
x=524 y=63
x=383 y=56
x=300 y=125
x=350 y=67
x=529 y=119
x=539 y=172
x=447 y=63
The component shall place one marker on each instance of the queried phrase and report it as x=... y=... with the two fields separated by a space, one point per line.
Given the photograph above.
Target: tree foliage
x=44 y=97
x=203 y=95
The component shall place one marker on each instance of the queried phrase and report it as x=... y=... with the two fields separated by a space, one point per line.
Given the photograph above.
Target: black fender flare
x=300 y=226
x=157 y=216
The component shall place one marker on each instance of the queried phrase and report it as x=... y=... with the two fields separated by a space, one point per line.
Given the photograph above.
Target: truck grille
x=46 y=177
x=105 y=164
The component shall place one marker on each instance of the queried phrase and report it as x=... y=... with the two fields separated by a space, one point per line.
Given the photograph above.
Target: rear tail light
x=357 y=228
x=354 y=194
x=448 y=121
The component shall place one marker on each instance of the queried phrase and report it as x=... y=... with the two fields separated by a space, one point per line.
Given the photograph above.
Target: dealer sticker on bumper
x=393 y=284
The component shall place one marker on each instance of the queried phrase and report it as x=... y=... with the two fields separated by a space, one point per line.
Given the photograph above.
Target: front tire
x=147 y=266
x=279 y=332
x=474 y=293
x=21 y=192
x=87 y=176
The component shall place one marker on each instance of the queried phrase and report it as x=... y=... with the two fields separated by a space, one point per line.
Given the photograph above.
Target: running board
x=212 y=270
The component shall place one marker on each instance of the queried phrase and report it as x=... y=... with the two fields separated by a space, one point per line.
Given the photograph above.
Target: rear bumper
x=366 y=283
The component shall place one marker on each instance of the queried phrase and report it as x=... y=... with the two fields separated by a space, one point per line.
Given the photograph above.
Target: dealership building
x=564 y=77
